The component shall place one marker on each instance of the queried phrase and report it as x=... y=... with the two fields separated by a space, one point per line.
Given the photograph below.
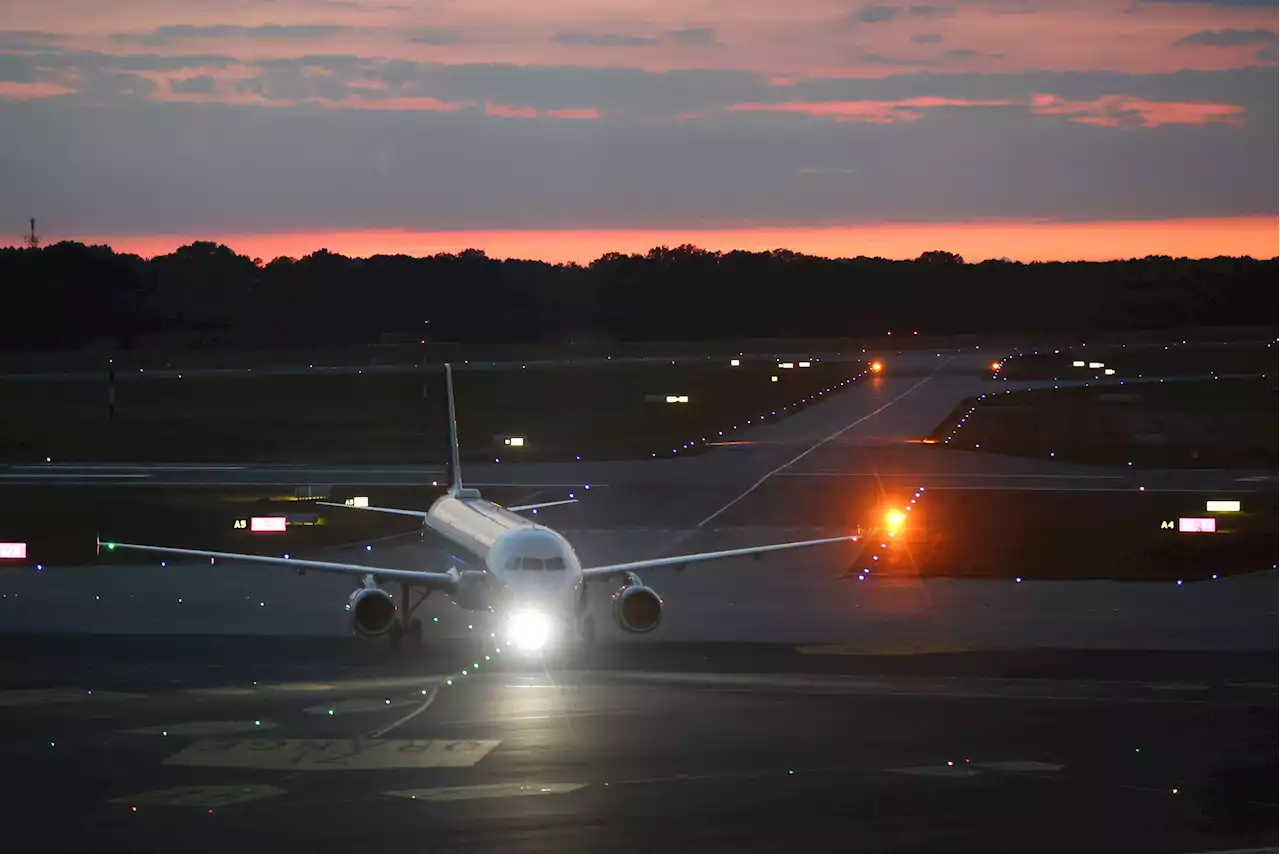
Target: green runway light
x=257 y=723
x=331 y=711
x=464 y=673
x=111 y=546
x=447 y=682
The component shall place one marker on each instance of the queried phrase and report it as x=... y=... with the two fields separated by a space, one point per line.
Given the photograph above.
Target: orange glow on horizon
x=1256 y=236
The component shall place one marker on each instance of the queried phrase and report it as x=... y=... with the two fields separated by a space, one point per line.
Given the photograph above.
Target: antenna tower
x=32 y=240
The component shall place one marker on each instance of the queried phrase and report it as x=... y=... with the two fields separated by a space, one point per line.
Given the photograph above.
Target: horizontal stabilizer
x=421 y=514
x=544 y=504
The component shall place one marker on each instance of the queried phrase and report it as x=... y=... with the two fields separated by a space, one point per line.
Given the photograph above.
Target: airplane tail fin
x=455 y=465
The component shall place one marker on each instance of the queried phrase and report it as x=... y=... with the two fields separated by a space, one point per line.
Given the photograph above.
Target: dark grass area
x=1078 y=535
x=1189 y=358
x=1226 y=423
x=562 y=413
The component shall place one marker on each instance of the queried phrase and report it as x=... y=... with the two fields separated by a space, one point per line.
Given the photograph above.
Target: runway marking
x=345 y=707
x=890 y=648
x=1021 y=766
x=228 y=691
x=491 y=790
x=203 y=728
x=431 y=698
x=85 y=476
x=206 y=797
x=926 y=474
x=389 y=683
x=337 y=754
x=45 y=696
x=936 y=771
x=798 y=457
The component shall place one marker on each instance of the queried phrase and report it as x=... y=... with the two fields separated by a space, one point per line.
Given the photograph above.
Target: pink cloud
x=875 y=112
x=575 y=113
x=786 y=41
x=509 y=111
x=1117 y=110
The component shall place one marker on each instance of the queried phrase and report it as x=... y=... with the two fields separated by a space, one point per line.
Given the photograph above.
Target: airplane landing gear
x=408 y=625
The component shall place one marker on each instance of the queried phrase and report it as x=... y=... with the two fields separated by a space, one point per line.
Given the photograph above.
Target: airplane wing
x=447 y=581
x=421 y=514
x=543 y=504
x=682 y=560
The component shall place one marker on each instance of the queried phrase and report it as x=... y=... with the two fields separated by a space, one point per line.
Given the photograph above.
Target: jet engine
x=373 y=611
x=637 y=608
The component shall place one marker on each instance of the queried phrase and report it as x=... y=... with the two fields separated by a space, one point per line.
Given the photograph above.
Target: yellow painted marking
x=204 y=728
x=44 y=696
x=337 y=754
x=205 y=797
x=492 y=790
x=344 y=707
x=890 y=648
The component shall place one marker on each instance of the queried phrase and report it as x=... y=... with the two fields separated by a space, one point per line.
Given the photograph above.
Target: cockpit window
x=531 y=563
x=555 y=563
x=535 y=563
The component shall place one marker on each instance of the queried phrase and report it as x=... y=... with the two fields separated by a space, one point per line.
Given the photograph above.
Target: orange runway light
x=876 y=367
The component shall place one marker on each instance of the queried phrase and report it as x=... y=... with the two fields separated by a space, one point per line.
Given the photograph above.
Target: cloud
x=927 y=38
x=930 y=12
x=28 y=40
x=1267 y=54
x=201 y=85
x=1119 y=111
x=230 y=168
x=434 y=35
x=693 y=37
x=1249 y=4
x=162 y=36
x=962 y=53
x=1228 y=38
x=871 y=15
x=908 y=61
x=580 y=39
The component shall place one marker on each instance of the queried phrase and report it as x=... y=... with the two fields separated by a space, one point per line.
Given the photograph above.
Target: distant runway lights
x=1018 y=579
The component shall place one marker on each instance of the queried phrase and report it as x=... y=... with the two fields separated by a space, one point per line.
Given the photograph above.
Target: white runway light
x=528 y=631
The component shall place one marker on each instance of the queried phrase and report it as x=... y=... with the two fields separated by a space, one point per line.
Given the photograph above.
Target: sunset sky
x=1028 y=129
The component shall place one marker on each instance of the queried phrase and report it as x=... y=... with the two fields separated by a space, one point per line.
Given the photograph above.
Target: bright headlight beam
x=528 y=630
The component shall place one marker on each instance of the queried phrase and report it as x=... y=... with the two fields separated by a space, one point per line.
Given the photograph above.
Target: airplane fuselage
x=523 y=563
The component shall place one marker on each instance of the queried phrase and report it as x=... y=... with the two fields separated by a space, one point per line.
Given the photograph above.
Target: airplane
x=527 y=572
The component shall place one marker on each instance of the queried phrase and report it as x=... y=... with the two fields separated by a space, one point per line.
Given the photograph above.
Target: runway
x=214 y=707
x=696 y=749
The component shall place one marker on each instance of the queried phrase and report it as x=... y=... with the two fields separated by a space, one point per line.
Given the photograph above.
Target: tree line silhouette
x=70 y=296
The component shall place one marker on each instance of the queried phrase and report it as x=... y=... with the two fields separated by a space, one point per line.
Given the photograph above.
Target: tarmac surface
x=777 y=705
